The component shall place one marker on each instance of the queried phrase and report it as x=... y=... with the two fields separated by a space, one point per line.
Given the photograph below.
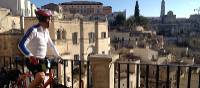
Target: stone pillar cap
x=100 y=57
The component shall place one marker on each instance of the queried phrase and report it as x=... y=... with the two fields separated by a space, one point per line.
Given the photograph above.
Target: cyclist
x=34 y=46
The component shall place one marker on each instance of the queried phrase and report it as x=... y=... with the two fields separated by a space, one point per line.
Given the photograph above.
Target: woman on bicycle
x=34 y=46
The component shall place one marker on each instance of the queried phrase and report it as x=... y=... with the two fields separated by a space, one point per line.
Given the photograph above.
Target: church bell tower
x=162 y=13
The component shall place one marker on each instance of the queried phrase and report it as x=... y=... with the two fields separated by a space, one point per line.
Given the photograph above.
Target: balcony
x=102 y=71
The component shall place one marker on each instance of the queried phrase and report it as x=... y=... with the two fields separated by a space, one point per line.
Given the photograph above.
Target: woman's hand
x=60 y=60
x=33 y=60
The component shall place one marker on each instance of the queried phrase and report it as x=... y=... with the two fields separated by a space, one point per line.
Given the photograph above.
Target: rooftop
x=82 y=3
x=50 y=4
x=3 y=9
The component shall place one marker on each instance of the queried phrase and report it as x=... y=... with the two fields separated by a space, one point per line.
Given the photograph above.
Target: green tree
x=143 y=21
x=137 y=14
x=119 y=20
x=132 y=21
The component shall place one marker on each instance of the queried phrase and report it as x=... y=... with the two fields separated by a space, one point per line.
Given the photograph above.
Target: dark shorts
x=41 y=67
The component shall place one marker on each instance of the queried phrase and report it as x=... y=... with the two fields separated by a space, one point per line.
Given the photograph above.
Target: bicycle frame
x=50 y=80
x=21 y=82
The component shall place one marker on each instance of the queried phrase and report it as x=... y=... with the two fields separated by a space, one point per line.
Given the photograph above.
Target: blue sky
x=150 y=8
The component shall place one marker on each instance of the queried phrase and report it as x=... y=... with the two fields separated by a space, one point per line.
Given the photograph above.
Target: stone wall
x=8 y=22
x=10 y=33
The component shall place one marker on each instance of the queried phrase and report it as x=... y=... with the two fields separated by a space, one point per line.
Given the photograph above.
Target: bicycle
x=20 y=82
x=52 y=81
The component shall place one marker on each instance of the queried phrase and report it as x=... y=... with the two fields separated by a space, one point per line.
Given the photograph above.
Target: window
x=103 y=52
x=59 y=35
x=103 y=34
x=98 y=11
x=77 y=10
x=91 y=37
x=76 y=59
x=75 y=37
x=84 y=10
x=153 y=72
x=81 y=10
x=64 y=34
x=122 y=39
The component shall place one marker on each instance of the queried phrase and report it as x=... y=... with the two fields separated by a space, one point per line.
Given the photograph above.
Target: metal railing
x=156 y=76
x=78 y=71
x=127 y=74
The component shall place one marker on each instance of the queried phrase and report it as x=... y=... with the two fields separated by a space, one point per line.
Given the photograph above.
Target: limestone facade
x=77 y=38
x=82 y=7
x=53 y=7
x=8 y=21
x=19 y=7
x=107 y=10
x=9 y=32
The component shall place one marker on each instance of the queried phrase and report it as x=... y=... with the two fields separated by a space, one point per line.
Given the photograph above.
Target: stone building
x=107 y=10
x=138 y=38
x=53 y=7
x=169 y=18
x=10 y=34
x=19 y=7
x=85 y=8
x=77 y=38
x=9 y=31
x=169 y=25
x=8 y=21
x=178 y=32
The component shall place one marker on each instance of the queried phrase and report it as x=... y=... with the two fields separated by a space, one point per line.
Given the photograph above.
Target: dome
x=170 y=13
x=139 y=28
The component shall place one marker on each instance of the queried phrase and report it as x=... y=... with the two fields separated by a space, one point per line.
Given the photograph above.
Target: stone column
x=102 y=71
x=81 y=40
x=96 y=37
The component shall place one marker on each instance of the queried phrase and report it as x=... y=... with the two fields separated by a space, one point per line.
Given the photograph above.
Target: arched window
x=59 y=35
x=63 y=34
